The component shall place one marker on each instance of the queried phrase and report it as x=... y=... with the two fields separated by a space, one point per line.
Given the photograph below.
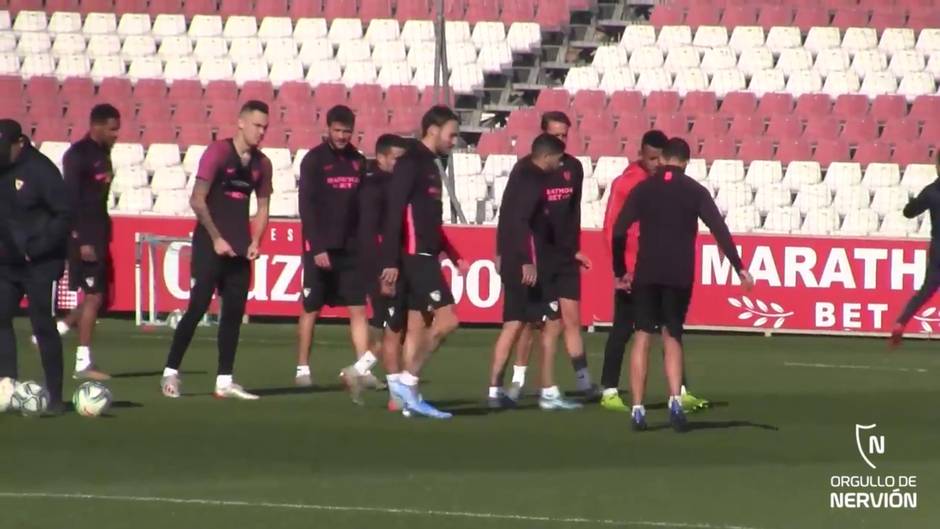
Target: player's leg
x=39 y=293
x=405 y=388
x=496 y=397
x=389 y=316
x=10 y=295
x=926 y=291
x=206 y=269
x=647 y=312
x=617 y=340
x=351 y=292
x=314 y=298
x=574 y=343
x=550 y=396
x=234 y=292
x=521 y=363
x=675 y=305
x=94 y=286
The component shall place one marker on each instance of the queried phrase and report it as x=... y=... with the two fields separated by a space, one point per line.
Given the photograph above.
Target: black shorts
x=340 y=286
x=660 y=306
x=565 y=279
x=208 y=267
x=529 y=304
x=91 y=277
x=389 y=312
x=426 y=290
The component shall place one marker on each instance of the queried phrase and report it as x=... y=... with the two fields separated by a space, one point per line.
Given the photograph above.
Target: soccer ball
x=30 y=398
x=91 y=399
x=7 y=387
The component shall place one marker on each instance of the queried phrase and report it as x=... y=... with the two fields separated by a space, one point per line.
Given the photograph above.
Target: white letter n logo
x=876 y=443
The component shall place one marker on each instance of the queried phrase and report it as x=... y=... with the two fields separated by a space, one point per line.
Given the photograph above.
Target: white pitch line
x=376 y=510
x=850 y=366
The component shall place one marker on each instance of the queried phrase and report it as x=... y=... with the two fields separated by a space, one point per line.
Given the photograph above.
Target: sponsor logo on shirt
x=343 y=182
x=103 y=177
x=230 y=170
x=556 y=194
x=435 y=191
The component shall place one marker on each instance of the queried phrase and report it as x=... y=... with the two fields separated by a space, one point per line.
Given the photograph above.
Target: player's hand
x=389 y=276
x=88 y=253
x=747 y=282
x=253 y=251
x=624 y=283
x=223 y=248
x=584 y=260
x=322 y=260
x=529 y=275
x=387 y=289
x=463 y=266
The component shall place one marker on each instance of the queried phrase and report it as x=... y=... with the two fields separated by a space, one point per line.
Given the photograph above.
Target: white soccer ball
x=92 y=399
x=30 y=398
x=7 y=387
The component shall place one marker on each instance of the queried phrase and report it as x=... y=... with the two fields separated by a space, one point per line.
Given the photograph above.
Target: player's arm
x=54 y=233
x=310 y=193
x=73 y=174
x=712 y=218
x=918 y=204
x=627 y=216
x=397 y=195
x=260 y=221
x=577 y=177
x=208 y=166
x=620 y=190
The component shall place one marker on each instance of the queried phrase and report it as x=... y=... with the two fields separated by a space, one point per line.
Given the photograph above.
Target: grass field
x=762 y=458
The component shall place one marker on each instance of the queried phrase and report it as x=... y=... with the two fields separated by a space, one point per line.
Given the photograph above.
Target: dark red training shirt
x=231 y=186
x=522 y=234
x=88 y=174
x=327 y=199
x=563 y=199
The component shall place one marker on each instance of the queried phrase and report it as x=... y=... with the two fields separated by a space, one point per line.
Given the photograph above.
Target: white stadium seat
x=772 y=196
x=822 y=38
x=896 y=39
x=917 y=83
x=135 y=201
x=251 y=70
x=718 y=58
x=54 y=150
x=677 y=60
x=859 y=223
x=203 y=26
x=459 y=31
x=869 y=61
x=495 y=58
x=743 y=219
x=170 y=178
x=608 y=58
x=801 y=173
x=498 y=165
x=783 y=220
x=820 y=221
x=283 y=181
x=851 y=198
x=746 y=37
x=794 y=60
x=245 y=49
x=781 y=38
x=33 y=43
x=280 y=49
x=918 y=176
x=832 y=60
x=672 y=36
x=284 y=204
x=104 y=67
x=8 y=43
x=698 y=170
x=59 y=22
x=767 y=81
x=103 y=46
x=895 y=224
x=650 y=81
x=467 y=79
x=838 y=83
x=351 y=51
x=524 y=37
x=9 y=64
x=811 y=197
x=907 y=61
x=879 y=175
x=880 y=83
x=138 y=46
x=239 y=27
x=173 y=203
x=692 y=79
x=608 y=168
x=127 y=178
x=618 y=80
x=275 y=28
x=485 y=33
x=843 y=174
x=100 y=24
x=933 y=65
x=804 y=82
x=311 y=28
x=65 y=44
x=162 y=155
x=389 y=52
x=5 y=20
x=73 y=66
x=753 y=60
x=30 y=21
x=216 y=70
x=41 y=64
x=314 y=51
x=382 y=30
x=127 y=154
x=858 y=39
x=733 y=196
x=286 y=70
x=764 y=172
x=166 y=25
x=927 y=42
x=724 y=172
x=210 y=48
x=360 y=73
x=726 y=81
x=581 y=78
x=417 y=31
x=637 y=36
x=174 y=47
x=191 y=159
x=394 y=74
x=710 y=37
x=889 y=199
x=182 y=68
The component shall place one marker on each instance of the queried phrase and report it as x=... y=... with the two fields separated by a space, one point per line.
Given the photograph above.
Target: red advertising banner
x=803 y=284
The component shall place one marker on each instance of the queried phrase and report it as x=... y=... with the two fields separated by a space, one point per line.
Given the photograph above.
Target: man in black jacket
x=35 y=216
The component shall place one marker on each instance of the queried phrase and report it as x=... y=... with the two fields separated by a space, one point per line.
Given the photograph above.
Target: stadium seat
x=65 y=44
x=900 y=130
x=323 y=72
x=767 y=81
x=282 y=49
x=775 y=15
x=772 y=196
x=809 y=17
x=733 y=196
x=617 y=80
x=673 y=36
x=916 y=84
x=822 y=38
x=761 y=173
x=726 y=81
x=915 y=152
x=718 y=58
x=690 y=80
x=34 y=43
x=745 y=37
x=609 y=57
x=879 y=83
x=831 y=150
x=738 y=103
x=896 y=225
x=725 y=172
x=859 y=38
x=888 y=200
x=821 y=126
x=783 y=220
x=896 y=39
x=698 y=170
x=755 y=148
x=804 y=82
x=881 y=175
x=585 y=102
x=906 y=61
x=754 y=60
x=841 y=83
x=309 y=28
x=850 y=106
x=820 y=221
x=651 y=58
x=866 y=62
x=743 y=220
x=700 y=102
x=351 y=51
x=135 y=200
x=860 y=130
x=918 y=176
x=344 y=29
x=710 y=36
x=665 y=15
x=801 y=173
x=275 y=27
x=637 y=36
x=812 y=197
x=859 y=222
x=581 y=78
x=832 y=60
x=216 y=70
x=100 y=24
x=239 y=27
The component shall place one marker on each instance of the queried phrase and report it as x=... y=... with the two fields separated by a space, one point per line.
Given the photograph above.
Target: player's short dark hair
x=437 y=116
x=341 y=114
x=677 y=149
x=547 y=145
x=555 y=116
x=253 y=105
x=655 y=139
x=387 y=142
x=103 y=112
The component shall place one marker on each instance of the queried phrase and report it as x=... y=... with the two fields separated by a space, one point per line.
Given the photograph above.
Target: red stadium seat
x=931 y=133
x=92 y=6
x=812 y=105
x=659 y=102
x=523 y=121
x=671 y=124
x=222 y=115
x=371 y=9
x=115 y=89
x=596 y=125
x=274 y=137
x=912 y=152
x=221 y=92
x=739 y=103
x=850 y=18
x=850 y=106
x=518 y=11
x=603 y=146
x=807 y=17
x=158 y=7
x=304 y=138
x=923 y=17
x=745 y=126
x=523 y=145
x=271 y=8
x=50 y=130
x=775 y=104
x=775 y=15
x=784 y=128
x=293 y=92
x=189 y=111
x=192 y=8
x=822 y=127
x=367 y=142
x=625 y=102
x=553 y=99
x=185 y=90
x=305 y=9
x=589 y=102
x=873 y=152
x=413 y=10
x=369 y=118
x=710 y=126
x=742 y=15
x=158 y=133
x=718 y=149
x=130 y=6
x=152 y=89
x=62 y=5
x=665 y=15
x=228 y=8
x=828 y=151
x=15 y=6
x=756 y=149
x=259 y=90
x=575 y=145
x=888 y=19
x=75 y=89
x=195 y=134
x=861 y=130
x=299 y=114
x=154 y=112
x=702 y=14
x=793 y=151
x=339 y=9
x=632 y=126
x=405 y=122
x=365 y=96
x=697 y=103
x=77 y=115
x=552 y=16
x=428 y=99
x=42 y=89
x=482 y=10
x=399 y=97
x=926 y=109
x=888 y=107
x=495 y=142
x=453 y=9
x=900 y=130
x=326 y=96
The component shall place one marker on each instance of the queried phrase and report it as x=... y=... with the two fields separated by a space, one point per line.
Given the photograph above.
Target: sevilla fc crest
x=566 y=175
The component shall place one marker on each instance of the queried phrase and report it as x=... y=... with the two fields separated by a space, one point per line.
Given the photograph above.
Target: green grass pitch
x=762 y=458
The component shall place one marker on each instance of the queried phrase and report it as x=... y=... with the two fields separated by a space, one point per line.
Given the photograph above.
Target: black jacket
x=35 y=213
x=328 y=197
